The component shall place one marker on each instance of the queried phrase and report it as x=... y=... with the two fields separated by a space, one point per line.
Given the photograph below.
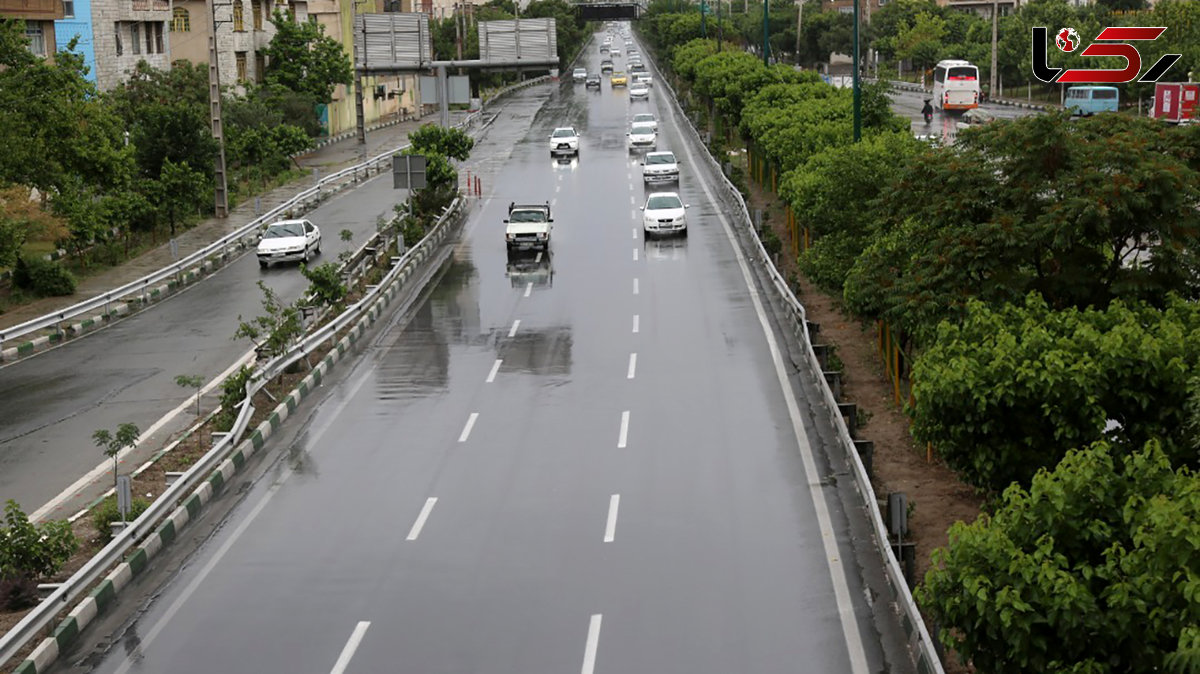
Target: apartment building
x=39 y=16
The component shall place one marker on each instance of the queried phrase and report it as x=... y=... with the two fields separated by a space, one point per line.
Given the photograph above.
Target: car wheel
x=684 y=232
x=318 y=246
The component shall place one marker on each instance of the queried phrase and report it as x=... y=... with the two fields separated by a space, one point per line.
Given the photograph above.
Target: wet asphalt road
x=582 y=459
x=52 y=403
x=909 y=103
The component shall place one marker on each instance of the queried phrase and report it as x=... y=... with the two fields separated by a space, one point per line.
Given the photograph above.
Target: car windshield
x=666 y=158
x=618 y=74
x=284 y=230
x=580 y=71
x=661 y=201
x=644 y=117
x=527 y=216
x=642 y=129
x=564 y=133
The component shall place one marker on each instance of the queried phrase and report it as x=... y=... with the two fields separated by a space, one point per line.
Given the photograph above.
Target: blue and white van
x=1089 y=100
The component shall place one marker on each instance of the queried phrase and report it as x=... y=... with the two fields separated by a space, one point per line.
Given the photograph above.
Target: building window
x=181 y=20
x=256 y=11
x=117 y=34
x=135 y=37
x=241 y=66
x=260 y=67
x=68 y=9
x=157 y=29
x=37 y=40
x=239 y=16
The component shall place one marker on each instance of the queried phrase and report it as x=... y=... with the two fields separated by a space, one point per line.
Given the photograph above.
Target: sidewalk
x=326 y=159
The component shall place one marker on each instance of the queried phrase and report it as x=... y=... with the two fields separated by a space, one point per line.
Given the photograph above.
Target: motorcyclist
x=927 y=111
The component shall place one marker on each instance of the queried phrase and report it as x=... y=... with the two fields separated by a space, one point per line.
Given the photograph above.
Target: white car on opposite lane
x=288 y=241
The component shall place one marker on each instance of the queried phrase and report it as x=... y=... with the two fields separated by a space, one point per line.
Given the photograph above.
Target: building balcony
x=47 y=10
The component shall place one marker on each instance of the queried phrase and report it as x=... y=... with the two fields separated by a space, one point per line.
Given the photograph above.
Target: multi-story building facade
x=39 y=16
x=125 y=32
x=76 y=26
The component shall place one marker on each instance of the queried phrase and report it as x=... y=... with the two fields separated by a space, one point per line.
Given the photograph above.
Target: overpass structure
x=609 y=11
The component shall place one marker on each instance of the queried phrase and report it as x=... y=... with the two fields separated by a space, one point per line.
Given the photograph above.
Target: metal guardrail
x=923 y=646
x=146 y=523
x=141 y=286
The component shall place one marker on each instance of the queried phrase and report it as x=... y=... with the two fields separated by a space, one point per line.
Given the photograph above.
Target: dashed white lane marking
x=239 y=531
x=632 y=365
x=635 y=322
x=631 y=200
x=635 y=286
x=593 y=641
x=624 y=430
x=635 y=254
x=633 y=212
x=528 y=288
x=420 y=523
x=557 y=188
x=356 y=638
x=495 y=368
x=635 y=233
x=841 y=589
x=513 y=332
x=466 y=432
x=610 y=528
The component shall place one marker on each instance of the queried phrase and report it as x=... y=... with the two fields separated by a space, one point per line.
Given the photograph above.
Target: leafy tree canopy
x=302 y=58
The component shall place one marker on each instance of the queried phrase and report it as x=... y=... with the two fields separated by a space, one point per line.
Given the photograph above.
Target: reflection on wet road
x=575 y=457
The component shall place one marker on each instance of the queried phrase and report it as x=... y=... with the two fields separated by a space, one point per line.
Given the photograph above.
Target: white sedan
x=639 y=90
x=564 y=140
x=645 y=118
x=642 y=137
x=288 y=241
x=664 y=214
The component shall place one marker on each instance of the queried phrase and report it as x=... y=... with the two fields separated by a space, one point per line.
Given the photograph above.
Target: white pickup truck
x=528 y=226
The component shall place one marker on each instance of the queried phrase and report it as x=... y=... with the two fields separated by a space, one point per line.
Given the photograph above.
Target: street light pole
x=766 y=35
x=995 y=30
x=857 y=87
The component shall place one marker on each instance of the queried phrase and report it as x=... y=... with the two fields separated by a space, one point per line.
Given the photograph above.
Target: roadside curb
x=909 y=86
x=104 y=595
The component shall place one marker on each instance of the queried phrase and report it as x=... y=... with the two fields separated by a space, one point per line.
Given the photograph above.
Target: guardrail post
x=172 y=477
x=849 y=412
x=834 y=379
x=866 y=453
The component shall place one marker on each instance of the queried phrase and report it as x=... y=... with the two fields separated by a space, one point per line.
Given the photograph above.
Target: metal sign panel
x=460 y=90
x=124 y=495
x=526 y=39
x=408 y=171
x=392 y=41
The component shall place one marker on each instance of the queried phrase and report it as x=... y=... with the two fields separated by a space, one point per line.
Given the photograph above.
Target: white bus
x=955 y=85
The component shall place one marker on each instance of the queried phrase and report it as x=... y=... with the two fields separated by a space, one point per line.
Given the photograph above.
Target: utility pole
x=766 y=34
x=857 y=87
x=995 y=25
x=221 y=187
x=799 y=16
x=720 y=33
x=458 y=33
x=359 y=75
x=703 y=23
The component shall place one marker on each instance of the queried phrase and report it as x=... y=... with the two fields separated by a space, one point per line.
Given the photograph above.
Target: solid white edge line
x=593 y=641
x=420 y=523
x=495 y=368
x=513 y=331
x=106 y=466
x=635 y=323
x=621 y=441
x=466 y=431
x=528 y=288
x=841 y=589
x=632 y=365
x=233 y=538
x=356 y=638
x=610 y=527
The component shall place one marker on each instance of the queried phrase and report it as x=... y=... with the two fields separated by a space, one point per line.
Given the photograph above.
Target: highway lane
x=909 y=103
x=53 y=402
x=571 y=506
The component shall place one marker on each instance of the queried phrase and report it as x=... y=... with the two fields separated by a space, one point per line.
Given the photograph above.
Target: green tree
x=29 y=552
x=1009 y=390
x=922 y=41
x=1062 y=207
x=166 y=115
x=822 y=190
x=114 y=443
x=888 y=21
x=453 y=143
x=302 y=58
x=179 y=190
x=191 y=381
x=1095 y=568
x=276 y=329
x=325 y=284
